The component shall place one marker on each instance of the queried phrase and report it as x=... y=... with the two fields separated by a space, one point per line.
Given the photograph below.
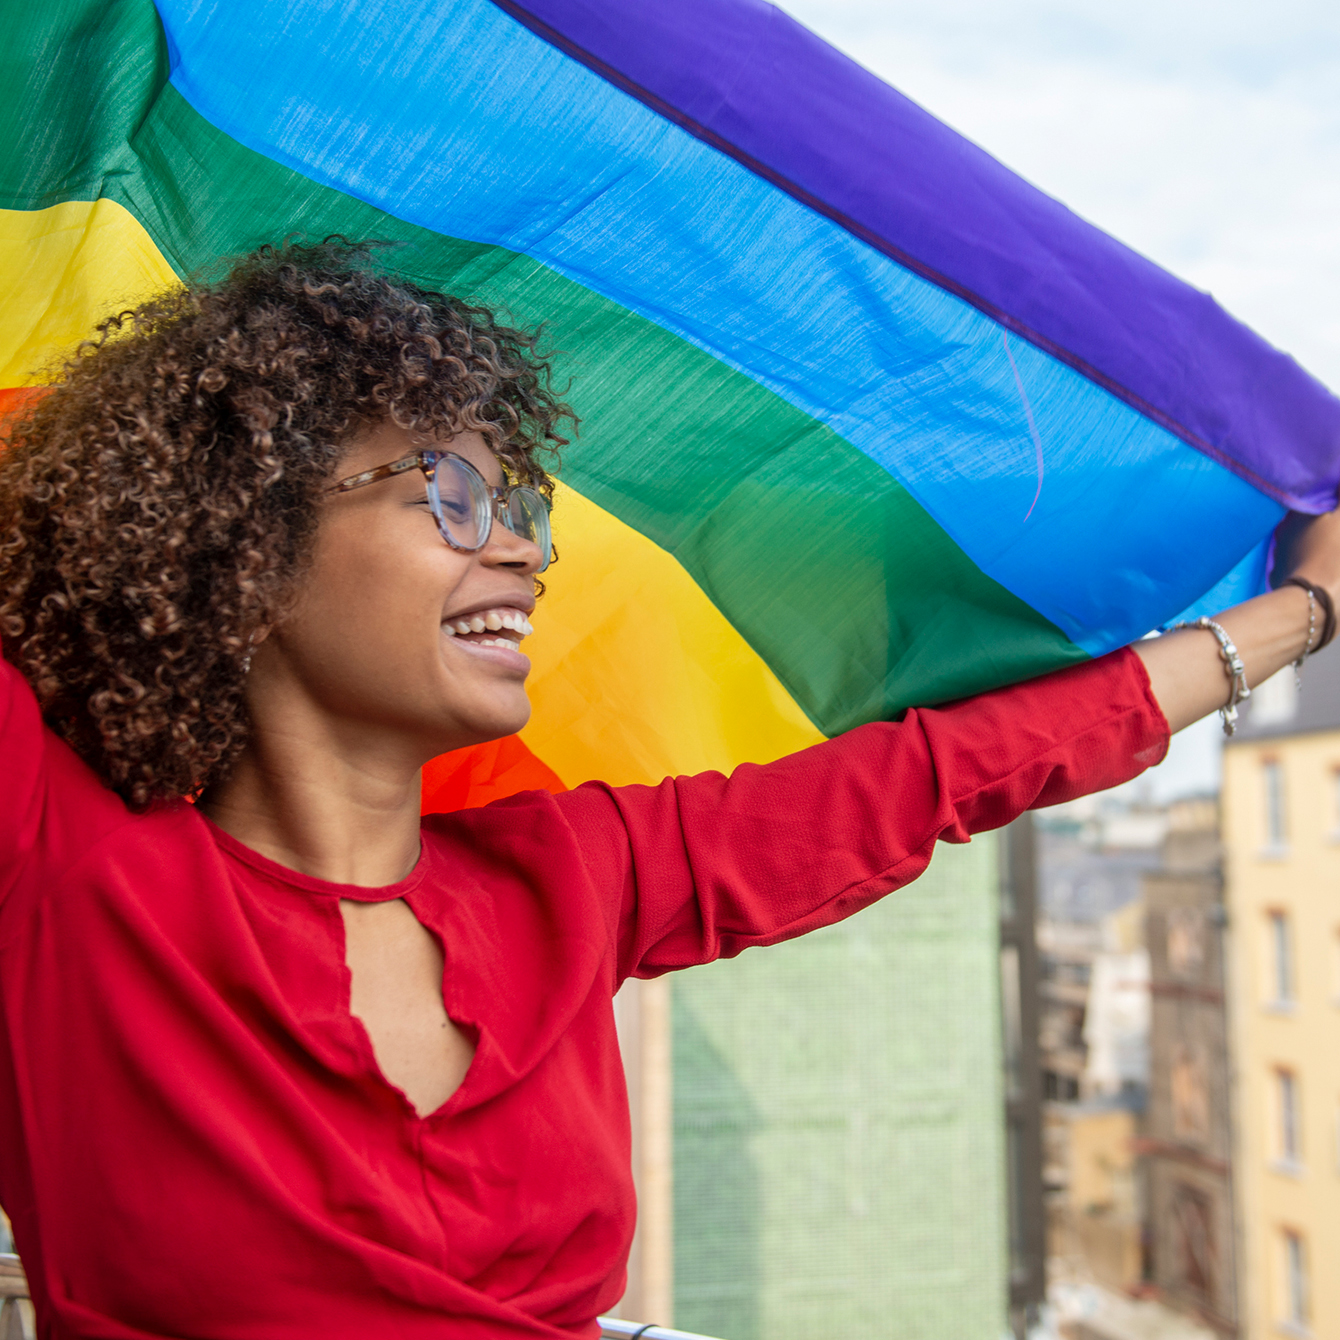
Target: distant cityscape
x=1133 y=1046
x=1133 y=1133
x=1189 y=1038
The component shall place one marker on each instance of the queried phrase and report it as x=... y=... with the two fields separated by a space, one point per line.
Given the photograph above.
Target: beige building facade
x=1281 y=808
x=1186 y=1142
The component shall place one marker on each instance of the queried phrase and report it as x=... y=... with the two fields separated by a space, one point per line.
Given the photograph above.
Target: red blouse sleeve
x=22 y=781
x=709 y=865
x=52 y=806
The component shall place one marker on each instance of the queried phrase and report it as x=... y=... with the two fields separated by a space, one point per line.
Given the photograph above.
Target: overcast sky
x=1204 y=134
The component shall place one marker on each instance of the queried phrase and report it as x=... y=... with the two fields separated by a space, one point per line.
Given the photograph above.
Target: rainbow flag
x=868 y=421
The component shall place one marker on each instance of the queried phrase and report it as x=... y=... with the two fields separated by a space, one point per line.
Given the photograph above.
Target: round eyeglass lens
x=528 y=517
x=462 y=503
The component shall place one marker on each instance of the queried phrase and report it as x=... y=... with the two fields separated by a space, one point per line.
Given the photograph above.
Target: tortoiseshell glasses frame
x=464 y=503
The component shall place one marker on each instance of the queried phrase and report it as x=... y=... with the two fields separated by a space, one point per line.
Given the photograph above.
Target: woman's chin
x=495 y=720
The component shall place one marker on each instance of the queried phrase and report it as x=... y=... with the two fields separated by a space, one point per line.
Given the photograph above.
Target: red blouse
x=194 y=1136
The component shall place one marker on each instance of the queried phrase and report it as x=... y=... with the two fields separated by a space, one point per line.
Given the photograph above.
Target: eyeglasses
x=464 y=503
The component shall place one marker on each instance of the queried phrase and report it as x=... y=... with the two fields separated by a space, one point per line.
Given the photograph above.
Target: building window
x=1193 y=1236
x=1288 y=1142
x=1272 y=776
x=1058 y=1088
x=1295 y=1281
x=1280 y=944
x=1190 y=1095
x=1185 y=938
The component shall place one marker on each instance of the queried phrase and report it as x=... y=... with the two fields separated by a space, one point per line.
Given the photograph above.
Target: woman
x=286 y=1061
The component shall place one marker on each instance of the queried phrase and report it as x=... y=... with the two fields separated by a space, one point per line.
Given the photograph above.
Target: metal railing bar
x=615 y=1328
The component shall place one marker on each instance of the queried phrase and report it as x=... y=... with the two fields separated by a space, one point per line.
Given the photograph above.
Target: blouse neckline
x=283 y=874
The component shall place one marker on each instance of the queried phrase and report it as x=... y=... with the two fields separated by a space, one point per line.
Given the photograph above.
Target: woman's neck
x=337 y=804
x=366 y=833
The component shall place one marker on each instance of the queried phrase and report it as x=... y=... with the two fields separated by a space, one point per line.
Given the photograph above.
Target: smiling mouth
x=500 y=627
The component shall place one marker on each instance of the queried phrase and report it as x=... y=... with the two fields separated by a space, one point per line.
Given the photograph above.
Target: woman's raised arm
x=1187 y=672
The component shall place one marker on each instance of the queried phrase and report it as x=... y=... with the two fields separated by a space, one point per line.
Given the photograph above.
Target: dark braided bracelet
x=1323 y=598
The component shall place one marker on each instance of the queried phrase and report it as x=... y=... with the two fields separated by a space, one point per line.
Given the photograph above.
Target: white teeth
x=491 y=621
x=503 y=642
x=448 y=630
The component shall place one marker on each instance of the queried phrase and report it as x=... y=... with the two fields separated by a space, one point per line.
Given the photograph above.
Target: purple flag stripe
x=754 y=84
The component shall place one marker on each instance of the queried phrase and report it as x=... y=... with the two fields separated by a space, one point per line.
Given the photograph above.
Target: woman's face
x=367 y=647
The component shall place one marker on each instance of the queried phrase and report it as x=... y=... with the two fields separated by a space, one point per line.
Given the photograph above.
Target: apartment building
x=1186 y=1145
x=1281 y=835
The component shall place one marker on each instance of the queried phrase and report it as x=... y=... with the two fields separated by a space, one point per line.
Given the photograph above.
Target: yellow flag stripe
x=637 y=675
x=62 y=270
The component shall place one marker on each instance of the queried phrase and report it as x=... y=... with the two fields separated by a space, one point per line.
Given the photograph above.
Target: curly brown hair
x=159 y=503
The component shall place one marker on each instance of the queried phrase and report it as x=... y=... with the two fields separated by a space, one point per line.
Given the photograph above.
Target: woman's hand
x=1186 y=672
x=1309 y=546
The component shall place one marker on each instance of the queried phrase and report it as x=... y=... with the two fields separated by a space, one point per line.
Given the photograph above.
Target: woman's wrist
x=1321 y=616
x=1187 y=672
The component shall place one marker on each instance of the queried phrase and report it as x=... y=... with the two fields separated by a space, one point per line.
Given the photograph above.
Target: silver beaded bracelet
x=1239 y=691
x=1311 y=635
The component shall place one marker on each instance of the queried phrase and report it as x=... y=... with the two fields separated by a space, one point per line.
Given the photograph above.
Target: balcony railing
x=613 y=1328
